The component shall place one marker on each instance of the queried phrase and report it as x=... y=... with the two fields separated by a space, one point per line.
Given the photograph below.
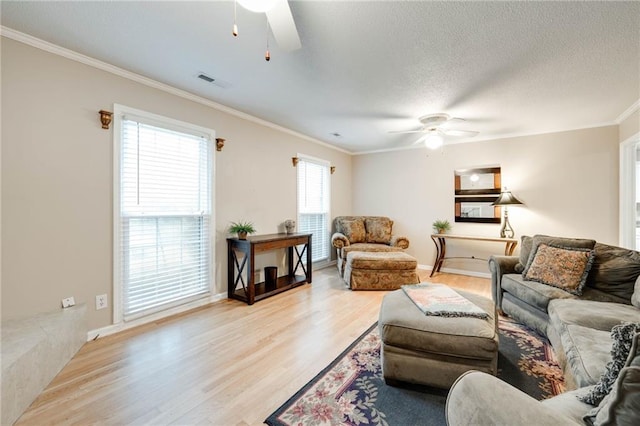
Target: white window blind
x=313 y=204
x=165 y=217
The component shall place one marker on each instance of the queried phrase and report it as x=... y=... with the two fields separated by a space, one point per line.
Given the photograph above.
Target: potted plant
x=242 y=229
x=441 y=226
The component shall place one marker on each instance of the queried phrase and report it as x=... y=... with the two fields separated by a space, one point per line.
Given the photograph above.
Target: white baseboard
x=115 y=328
x=458 y=271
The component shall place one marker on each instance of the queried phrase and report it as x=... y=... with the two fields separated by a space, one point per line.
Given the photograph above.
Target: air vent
x=206 y=78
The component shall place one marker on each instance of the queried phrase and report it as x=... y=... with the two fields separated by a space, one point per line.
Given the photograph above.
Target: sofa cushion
x=526 y=244
x=532 y=292
x=615 y=270
x=622 y=336
x=564 y=268
x=352 y=228
x=568 y=404
x=583 y=328
x=601 y=316
x=622 y=405
x=378 y=229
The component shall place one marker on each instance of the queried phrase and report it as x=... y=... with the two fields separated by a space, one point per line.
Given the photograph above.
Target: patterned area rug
x=351 y=391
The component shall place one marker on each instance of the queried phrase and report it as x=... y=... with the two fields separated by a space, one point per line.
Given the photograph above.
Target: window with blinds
x=313 y=204
x=165 y=216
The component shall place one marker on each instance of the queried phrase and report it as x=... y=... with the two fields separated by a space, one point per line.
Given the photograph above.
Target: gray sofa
x=578 y=326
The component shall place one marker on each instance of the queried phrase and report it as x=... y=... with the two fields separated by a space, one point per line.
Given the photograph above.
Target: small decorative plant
x=242 y=229
x=441 y=226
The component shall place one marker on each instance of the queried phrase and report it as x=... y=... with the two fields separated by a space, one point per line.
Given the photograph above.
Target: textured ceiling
x=369 y=67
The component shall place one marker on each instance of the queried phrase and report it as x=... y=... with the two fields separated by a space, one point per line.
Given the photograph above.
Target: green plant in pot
x=441 y=226
x=242 y=229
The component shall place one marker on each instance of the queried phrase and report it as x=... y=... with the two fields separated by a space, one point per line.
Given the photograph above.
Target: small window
x=313 y=204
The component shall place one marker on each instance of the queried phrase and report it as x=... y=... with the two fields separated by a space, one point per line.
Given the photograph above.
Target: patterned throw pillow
x=378 y=229
x=561 y=267
x=354 y=230
x=622 y=336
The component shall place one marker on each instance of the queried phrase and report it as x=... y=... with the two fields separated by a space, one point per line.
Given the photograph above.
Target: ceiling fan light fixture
x=258 y=6
x=433 y=141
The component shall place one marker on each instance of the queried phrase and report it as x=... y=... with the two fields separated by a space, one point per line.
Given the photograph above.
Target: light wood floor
x=224 y=364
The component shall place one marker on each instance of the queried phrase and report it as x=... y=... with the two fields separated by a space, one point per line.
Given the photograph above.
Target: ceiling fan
x=280 y=20
x=435 y=127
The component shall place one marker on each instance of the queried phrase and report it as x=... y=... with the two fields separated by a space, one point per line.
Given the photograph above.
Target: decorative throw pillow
x=378 y=229
x=526 y=244
x=530 y=243
x=561 y=267
x=354 y=230
x=622 y=336
x=622 y=405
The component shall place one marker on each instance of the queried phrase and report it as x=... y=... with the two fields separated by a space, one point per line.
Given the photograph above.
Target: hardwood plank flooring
x=224 y=364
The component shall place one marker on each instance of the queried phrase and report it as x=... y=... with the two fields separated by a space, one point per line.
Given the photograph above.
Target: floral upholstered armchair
x=364 y=233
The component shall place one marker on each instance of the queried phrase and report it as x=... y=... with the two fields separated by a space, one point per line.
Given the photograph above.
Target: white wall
x=568 y=182
x=57 y=177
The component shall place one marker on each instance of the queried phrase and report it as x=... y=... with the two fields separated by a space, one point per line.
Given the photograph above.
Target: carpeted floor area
x=351 y=391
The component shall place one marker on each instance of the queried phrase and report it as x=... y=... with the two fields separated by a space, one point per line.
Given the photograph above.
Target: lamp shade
x=506 y=198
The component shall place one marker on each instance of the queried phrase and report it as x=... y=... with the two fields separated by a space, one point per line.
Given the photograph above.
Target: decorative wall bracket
x=333 y=169
x=105 y=118
x=295 y=160
x=219 y=144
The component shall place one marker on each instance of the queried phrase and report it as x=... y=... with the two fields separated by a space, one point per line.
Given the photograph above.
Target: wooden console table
x=441 y=247
x=237 y=266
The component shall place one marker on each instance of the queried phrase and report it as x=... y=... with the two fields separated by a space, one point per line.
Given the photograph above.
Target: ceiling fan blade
x=407 y=131
x=283 y=26
x=453 y=132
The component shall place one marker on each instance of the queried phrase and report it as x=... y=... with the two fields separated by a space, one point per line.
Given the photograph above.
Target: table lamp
x=506 y=198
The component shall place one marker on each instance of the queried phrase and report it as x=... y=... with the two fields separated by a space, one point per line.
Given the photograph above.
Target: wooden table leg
x=510 y=247
x=440 y=253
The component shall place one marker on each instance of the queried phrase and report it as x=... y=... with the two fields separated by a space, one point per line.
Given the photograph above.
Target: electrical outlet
x=68 y=302
x=101 y=301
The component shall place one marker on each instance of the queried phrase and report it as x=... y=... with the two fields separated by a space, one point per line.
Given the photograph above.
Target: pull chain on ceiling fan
x=279 y=20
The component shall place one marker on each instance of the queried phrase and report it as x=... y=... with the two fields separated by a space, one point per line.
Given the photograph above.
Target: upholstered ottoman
x=380 y=270
x=433 y=350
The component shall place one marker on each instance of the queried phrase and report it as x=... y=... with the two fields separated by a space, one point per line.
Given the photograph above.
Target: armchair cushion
x=378 y=229
x=353 y=228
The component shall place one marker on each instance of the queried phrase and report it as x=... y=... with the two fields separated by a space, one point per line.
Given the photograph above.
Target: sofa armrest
x=397 y=241
x=478 y=398
x=499 y=266
x=339 y=240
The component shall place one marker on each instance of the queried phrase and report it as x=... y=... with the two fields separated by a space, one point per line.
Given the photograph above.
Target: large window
x=630 y=193
x=163 y=206
x=313 y=204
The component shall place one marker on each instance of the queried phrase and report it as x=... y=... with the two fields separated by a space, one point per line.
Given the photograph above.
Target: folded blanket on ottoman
x=440 y=300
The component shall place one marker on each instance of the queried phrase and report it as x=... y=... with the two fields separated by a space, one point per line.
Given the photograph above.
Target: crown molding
x=95 y=63
x=633 y=108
